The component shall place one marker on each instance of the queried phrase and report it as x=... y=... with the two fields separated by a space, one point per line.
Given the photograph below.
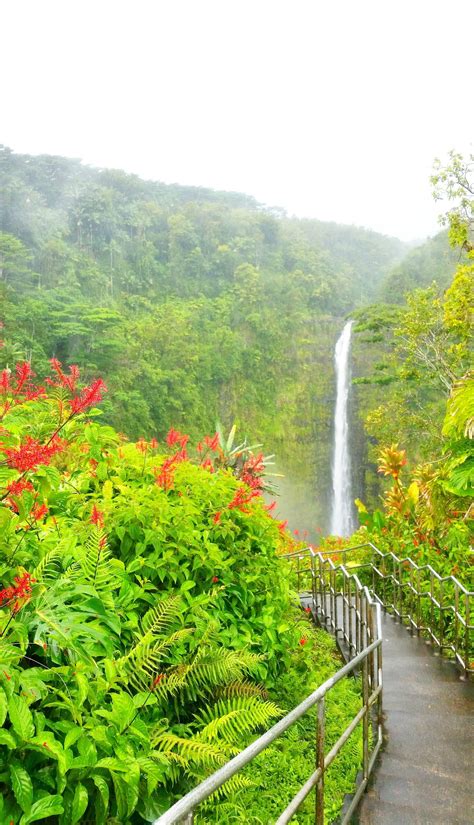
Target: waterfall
x=341 y=507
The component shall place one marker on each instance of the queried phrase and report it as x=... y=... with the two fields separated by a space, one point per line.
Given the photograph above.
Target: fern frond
x=191 y=751
x=209 y=668
x=159 y=619
x=232 y=719
x=142 y=663
x=96 y=567
x=233 y=785
x=241 y=688
x=49 y=567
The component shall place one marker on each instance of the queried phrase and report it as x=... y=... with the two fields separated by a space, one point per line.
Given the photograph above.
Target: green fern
x=160 y=618
x=143 y=663
x=232 y=719
x=241 y=688
x=209 y=669
x=190 y=751
x=49 y=567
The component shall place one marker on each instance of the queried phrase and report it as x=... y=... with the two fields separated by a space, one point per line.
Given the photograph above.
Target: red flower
x=153 y=443
x=157 y=680
x=97 y=517
x=307 y=610
x=303 y=641
x=141 y=445
x=212 y=441
x=5 y=380
x=217 y=517
x=282 y=525
x=21 y=590
x=175 y=437
x=241 y=499
x=296 y=532
x=215 y=579
x=31 y=453
x=270 y=507
x=39 y=511
x=23 y=374
x=207 y=465
x=68 y=381
x=252 y=471
x=88 y=397
x=16 y=488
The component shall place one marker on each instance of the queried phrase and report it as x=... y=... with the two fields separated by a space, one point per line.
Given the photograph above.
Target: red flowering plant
x=117 y=580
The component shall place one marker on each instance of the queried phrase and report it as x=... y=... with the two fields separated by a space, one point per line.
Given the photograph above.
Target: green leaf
x=79 y=803
x=126 y=795
x=3 y=706
x=20 y=717
x=7 y=739
x=102 y=799
x=22 y=786
x=47 y=806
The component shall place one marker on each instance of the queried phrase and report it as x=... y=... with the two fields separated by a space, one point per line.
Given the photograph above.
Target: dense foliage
x=144 y=614
x=418 y=404
x=194 y=305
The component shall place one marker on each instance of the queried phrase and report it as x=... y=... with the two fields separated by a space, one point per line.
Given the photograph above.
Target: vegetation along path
x=424 y=775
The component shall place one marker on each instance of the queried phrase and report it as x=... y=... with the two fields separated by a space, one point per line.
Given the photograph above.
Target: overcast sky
x=330 y=109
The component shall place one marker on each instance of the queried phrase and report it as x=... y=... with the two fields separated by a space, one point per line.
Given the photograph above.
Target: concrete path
x=425 y=774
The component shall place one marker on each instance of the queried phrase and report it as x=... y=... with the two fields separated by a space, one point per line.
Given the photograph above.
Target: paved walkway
x=425 y=774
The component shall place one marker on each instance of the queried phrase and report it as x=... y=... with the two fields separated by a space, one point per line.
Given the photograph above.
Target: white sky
x=331 y=109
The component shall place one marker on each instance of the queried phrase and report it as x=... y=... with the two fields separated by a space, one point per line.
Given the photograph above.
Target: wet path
x=425 y=774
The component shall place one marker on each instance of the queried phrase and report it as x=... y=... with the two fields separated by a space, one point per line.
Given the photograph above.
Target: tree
x=455 y=182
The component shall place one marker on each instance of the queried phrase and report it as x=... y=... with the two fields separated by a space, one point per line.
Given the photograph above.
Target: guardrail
x=357 y=615
x=437 y=607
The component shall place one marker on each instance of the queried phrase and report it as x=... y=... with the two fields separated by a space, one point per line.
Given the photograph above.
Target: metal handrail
x=364 y=630
x=411 y=585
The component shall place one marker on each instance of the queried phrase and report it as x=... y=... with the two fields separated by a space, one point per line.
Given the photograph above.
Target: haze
x=334 y=111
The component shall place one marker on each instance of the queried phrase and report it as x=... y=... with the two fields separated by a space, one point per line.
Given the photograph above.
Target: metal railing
x=356 y=615
x=436 y=607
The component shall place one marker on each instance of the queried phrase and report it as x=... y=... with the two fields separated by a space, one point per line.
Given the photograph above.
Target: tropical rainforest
x=153 y=338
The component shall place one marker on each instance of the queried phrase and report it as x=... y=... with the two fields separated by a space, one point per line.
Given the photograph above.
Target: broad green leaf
x=20 y=717
x=79 y=803
x=126 y=794
x=7 y=739
x=3 y=706
x=47 y=806
x=22 y=786
x=102 y=799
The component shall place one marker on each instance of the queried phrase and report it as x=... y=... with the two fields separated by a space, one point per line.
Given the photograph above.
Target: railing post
x=467 y=644
x=319 y=810
x=365 y=720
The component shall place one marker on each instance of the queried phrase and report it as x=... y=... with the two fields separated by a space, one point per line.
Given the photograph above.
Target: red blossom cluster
x=97 y=516
x=19 y=387
x=210 y=441
x=175 y=437
x=30 y=454
x=165 y=477
x=88 y=397
x=64 y=380
x=241 y=499
x=39 y=511
x=17 y=593
x=15 y=489
x=252 y=472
